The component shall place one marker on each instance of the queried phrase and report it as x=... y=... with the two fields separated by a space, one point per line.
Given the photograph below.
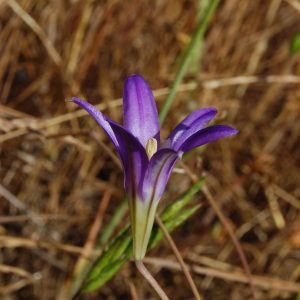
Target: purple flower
x=147 y=163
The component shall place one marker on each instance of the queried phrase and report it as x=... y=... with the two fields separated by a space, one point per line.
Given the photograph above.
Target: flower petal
x=130 y=150
x=100 y=118
x=155 y=180
x=157 y=174
x=139 y=110
x=207 y=135
x=191 y=124
x=134 y=158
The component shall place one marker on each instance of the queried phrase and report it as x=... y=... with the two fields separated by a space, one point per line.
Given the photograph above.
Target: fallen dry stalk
x=18 y=242
x=259 y=281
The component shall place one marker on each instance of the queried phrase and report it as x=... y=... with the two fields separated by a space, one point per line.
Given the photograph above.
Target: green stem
x=196 y=39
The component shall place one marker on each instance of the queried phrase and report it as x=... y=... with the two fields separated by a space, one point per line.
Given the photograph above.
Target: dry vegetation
x=57 y=168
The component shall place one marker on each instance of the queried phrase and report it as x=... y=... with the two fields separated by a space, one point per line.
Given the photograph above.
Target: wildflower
x=147 y=163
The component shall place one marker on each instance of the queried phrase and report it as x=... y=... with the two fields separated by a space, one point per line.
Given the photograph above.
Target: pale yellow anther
x=151 y=147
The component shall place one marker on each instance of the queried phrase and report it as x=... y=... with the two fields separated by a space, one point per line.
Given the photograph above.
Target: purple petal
x=130 y=150
x=191 y=124
x=134 y=158
x=207 y=135
x=139 y=110
x=100 y=118
x=158 y=173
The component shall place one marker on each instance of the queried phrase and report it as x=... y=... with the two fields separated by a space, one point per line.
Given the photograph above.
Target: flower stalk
x=151 y=280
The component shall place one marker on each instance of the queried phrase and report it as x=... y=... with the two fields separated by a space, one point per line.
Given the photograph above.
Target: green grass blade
x=295 y=43
x=157 y=234
x=196 y=40
x=115 y=250
x=172 y=209
x=119 y=250
x=115 y=220
x=107 y=273
x=98 y=279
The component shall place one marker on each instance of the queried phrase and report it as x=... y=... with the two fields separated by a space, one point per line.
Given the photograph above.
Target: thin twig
x=46 y=217
x=294 y=3
x=183 y=266
x=14 y=201
x=288 y=197
x=20 y=284
x=245 y=80
x=226 y=224
x=7 y=241
x=133 y=291
x=151 y=280
x=82 y=265
x=234 y=239
x=36 y=28
x=15 y=270
x=264 y=282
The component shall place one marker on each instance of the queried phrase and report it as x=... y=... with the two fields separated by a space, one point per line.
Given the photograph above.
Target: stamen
x=151 y=147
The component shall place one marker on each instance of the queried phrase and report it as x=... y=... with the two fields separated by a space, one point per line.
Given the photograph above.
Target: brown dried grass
x=54 y=171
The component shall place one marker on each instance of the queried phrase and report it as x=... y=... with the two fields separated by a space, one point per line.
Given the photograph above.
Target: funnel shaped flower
x=147 y=163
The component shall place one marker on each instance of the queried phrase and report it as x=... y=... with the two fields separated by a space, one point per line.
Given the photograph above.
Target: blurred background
x=59 y=174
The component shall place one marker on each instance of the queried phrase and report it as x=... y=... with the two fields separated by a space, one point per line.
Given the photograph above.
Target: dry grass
x=56 y=164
